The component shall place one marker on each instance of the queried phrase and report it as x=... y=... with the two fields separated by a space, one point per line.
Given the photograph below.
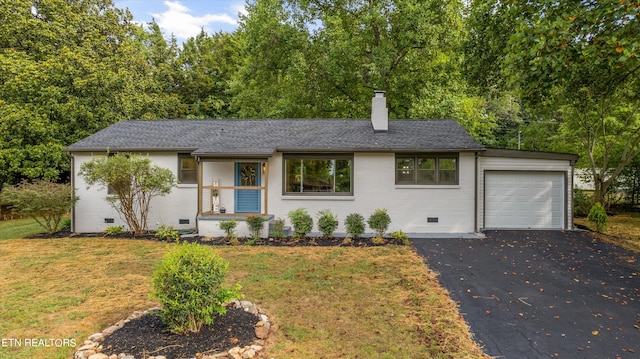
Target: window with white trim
x=187 y=169
x=318 y=174
x=427 y=169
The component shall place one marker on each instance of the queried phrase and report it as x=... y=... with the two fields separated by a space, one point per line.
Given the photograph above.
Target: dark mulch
x=222 y=241
x=149 y=336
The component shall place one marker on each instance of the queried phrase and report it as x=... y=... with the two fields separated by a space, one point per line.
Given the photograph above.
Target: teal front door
x=247 y=175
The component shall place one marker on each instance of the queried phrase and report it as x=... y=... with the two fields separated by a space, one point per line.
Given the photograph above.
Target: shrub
x=168 y=233
x=379 y=221
x=378 y=240
x=355 y=225
x=598 y=217
x=327 y=223
x=301 y=221
x=400 y=237
x=188 y=285
x=278 y=229
x=45 y=202
x=255 y=224
x=114 y=230
x=65 y=223
x=229 y=227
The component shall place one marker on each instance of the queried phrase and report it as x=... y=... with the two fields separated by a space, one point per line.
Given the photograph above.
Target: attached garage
x=524 y=199
x=525 y=190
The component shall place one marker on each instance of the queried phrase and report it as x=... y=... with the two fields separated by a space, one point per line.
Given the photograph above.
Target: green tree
x=574 y=63
x=207 y=65
x=46 y=202
x=317 y=59
x=134 y=182
x=68 y=69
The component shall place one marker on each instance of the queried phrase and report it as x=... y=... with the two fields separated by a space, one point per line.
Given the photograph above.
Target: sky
x=185 y=18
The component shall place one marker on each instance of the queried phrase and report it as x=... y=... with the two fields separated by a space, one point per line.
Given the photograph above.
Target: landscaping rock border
x=92 y=348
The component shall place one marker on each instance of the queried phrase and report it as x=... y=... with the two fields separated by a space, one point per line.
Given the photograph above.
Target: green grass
x=379 y=302
x=19 y=228
x=623 y=230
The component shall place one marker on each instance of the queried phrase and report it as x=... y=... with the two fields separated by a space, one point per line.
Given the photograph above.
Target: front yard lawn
x=333 y=302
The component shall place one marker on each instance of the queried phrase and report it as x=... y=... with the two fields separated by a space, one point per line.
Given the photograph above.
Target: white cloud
x=178 y=20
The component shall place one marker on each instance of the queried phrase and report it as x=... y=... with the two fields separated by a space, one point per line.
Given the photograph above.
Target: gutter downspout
x=475 y=195
x=73 y=188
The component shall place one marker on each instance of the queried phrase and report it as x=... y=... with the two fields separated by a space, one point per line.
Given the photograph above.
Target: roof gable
x=264 y=137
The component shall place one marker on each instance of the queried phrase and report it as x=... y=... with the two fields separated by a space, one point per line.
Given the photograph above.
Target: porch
x=232 y=188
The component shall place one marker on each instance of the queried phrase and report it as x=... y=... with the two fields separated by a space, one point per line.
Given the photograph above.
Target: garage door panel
x=524 y=199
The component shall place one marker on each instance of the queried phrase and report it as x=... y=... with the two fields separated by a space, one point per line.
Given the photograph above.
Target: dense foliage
x=540 y=75
x=188 y=285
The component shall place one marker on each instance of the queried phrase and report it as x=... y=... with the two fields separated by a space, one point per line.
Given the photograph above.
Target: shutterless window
x=318 y=175
x=187 y=169
x=427 y=169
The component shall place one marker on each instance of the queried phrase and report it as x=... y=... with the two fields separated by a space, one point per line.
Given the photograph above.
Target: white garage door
x=517 y=199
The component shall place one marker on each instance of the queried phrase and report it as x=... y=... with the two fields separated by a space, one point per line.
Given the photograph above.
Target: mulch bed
x=149 y=336
x=222 y=241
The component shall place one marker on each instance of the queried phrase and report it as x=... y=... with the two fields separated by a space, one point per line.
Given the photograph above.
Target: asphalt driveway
x=542 y=294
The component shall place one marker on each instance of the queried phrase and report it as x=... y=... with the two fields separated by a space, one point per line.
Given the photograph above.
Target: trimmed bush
x=188 y=285
x=379 y=221
x=255 y=224
x=301 y=221
x=327 y=223
x=278 y=229
x=598 y=217
x=355 y=225
x=229 y=228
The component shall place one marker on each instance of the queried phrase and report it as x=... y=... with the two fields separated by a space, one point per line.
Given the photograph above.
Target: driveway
x=542 y=294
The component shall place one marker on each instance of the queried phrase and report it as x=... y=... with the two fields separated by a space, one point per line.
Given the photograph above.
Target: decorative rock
x=97 y=337
x=98 y=356
x=110 y=330
x=262 y=332
x=249 y=353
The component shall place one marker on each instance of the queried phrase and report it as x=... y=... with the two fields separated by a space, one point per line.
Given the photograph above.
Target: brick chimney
x=379 y=112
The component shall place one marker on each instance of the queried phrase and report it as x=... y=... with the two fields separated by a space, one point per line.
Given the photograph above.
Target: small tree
x=46 y=202
x=134 y=182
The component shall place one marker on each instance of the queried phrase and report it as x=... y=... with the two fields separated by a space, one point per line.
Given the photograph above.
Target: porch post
x=199 y=186
x=266 y=187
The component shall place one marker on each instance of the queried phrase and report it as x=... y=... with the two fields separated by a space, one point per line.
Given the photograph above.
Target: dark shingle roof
x=264 y=137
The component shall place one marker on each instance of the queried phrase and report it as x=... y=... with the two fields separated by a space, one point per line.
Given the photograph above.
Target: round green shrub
x=355 y=224
x=379 y=221
x=327 y=223
x=188 y=285
x=301 y=221
x=598 y=217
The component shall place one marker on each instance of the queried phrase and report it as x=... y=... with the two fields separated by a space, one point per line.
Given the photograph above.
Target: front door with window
x=247 y=175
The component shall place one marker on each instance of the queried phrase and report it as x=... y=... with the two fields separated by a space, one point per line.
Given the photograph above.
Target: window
x=427 y=169
x=318 y=175
x=187 y=169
